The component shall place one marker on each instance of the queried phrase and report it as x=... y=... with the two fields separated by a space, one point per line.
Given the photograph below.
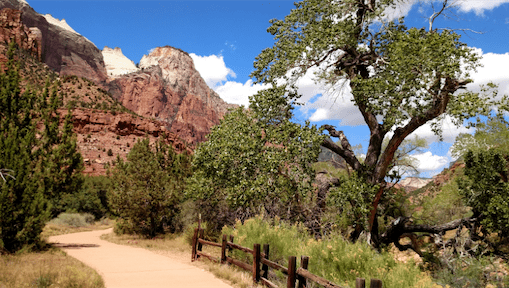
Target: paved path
x=125 y=266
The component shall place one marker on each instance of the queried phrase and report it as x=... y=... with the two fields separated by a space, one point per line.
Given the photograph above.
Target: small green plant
x=109 y=153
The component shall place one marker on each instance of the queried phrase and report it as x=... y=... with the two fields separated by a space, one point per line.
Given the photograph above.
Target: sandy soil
x=125 y=266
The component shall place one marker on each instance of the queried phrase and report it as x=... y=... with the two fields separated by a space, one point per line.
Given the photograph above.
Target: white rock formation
x=116 y=63
x=414 y=182
x=60 y=23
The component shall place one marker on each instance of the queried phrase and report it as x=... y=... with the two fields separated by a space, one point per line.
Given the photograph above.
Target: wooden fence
x=296 y=277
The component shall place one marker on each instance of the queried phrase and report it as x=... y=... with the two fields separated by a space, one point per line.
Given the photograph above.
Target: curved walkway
x=125 y=266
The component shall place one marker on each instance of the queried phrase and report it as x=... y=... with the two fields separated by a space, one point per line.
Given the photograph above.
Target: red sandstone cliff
x=12 y=29
x=170 y=89
x=100 y=131
x=63 y=50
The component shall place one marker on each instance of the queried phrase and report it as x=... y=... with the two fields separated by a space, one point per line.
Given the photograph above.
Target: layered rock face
x=101 y=131
x=12 y=29
x=170 y=89
x=62 y=49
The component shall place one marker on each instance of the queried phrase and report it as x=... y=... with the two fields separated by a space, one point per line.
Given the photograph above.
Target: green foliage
x=147 y=189
x=491 y=134
x=400 y=77
x=91 y=198
x=256 y=164
x=353 y=198
x=42 y=164
x=486 y=190
x=442 y=206
x=74 y=219
x=403 y=161
x=64 y=163
x=405 y=61
x=332 y=257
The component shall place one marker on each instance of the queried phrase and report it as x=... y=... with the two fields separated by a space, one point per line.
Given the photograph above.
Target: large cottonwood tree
x=401 y=78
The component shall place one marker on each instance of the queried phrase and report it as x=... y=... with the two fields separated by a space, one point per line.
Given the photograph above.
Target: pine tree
x=42 y=164
x=148 y=188
x=23 y=207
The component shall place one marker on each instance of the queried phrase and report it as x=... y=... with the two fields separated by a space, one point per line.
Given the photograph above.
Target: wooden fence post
x=292 y=263
x=304 y=262
x=256 y=263
x=195 y=241
x=360 y=283
x=200 y=236
x=375 y=283
x=265 y=268
x=223 y=250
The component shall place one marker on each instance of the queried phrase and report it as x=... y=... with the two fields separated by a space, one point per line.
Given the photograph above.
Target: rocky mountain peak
x=60 y=23
x=63 y=49
x=116 y=63
x=170 y=89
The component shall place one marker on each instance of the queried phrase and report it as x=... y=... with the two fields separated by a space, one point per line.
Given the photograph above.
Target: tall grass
x=46 y=269
x=332 y=258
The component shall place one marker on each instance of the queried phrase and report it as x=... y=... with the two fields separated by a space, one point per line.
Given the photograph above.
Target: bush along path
x=124 y=266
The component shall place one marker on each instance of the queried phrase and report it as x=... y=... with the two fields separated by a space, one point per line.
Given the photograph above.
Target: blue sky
x=224 y=37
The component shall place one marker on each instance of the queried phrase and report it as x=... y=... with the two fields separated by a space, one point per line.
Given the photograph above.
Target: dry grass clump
x=51 y=268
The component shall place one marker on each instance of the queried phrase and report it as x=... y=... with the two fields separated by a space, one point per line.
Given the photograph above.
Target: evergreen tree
x=148 y=188
x=40 y=164
x=63 y=162
x=23 y=207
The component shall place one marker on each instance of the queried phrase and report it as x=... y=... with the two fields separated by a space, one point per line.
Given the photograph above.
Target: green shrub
x=91 y=198
x=109 y=153
x=332 y=258
x=74 y=219
x=147 y=189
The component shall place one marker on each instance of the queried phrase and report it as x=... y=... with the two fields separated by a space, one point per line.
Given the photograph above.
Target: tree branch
x=439 y=106
x=345 y=150
x=402 y=226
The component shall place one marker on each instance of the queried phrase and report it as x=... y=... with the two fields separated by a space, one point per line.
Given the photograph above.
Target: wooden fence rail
x=296 y=277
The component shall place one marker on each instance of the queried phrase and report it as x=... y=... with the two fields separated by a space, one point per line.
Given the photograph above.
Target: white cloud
x=238 y=93
x=478 y=6
x=215 y=73
x=212 y=69
x=400 y=10
x=429 y=162
x=450 y=131
x=494 y=70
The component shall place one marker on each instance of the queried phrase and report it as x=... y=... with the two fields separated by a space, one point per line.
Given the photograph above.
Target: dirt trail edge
x=125 y=266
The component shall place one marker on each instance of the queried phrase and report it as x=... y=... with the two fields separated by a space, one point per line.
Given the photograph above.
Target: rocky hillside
x=62 y=49
x=167 y=87
x=113 y=102
x=104 y=127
